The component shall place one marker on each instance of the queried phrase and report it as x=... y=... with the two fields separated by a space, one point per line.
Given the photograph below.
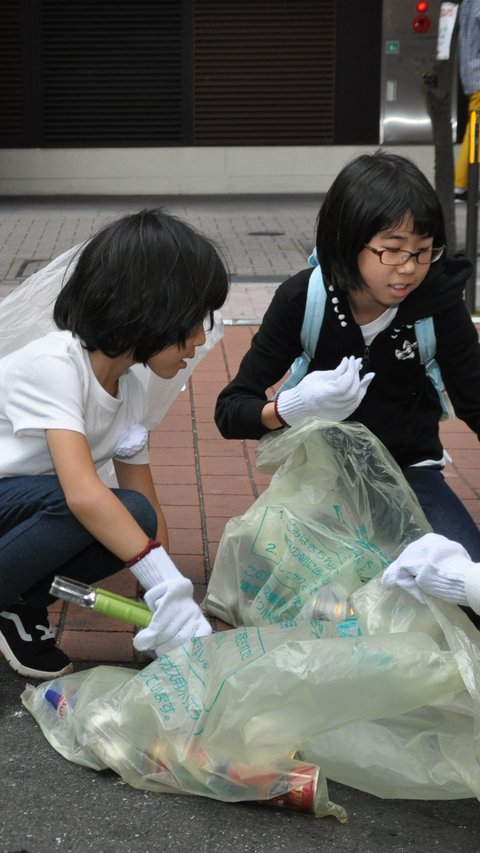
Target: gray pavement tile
x=264 y=238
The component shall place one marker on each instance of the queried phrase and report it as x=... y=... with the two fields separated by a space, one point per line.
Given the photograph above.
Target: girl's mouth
x=400 y=290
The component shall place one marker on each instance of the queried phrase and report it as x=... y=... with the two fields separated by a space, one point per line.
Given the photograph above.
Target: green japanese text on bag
x=337 y=511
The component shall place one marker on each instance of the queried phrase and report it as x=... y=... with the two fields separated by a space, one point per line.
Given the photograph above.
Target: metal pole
x=472 y=210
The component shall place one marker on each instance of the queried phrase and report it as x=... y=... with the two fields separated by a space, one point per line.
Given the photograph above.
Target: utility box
x=409 y=48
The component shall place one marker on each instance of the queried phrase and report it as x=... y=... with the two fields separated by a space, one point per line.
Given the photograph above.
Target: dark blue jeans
x=40 y=538
x=445 y=512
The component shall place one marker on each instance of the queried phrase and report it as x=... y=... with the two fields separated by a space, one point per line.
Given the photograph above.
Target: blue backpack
x=312 y=323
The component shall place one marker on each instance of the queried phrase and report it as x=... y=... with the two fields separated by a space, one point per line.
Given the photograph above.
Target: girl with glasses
x=380 y=245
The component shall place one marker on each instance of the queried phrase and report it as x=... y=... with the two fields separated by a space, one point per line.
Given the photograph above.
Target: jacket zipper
x=365 y=361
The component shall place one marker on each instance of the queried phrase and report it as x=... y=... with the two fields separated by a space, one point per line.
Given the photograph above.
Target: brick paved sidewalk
x=202 y=481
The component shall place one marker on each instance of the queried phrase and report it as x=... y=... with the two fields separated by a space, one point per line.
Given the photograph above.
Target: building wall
x=187 y=96
x=183 y=171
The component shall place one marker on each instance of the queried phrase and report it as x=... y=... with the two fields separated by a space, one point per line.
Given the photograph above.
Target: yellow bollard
x=472 y=209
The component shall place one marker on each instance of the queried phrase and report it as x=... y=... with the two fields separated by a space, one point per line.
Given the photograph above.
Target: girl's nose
x=408 y=266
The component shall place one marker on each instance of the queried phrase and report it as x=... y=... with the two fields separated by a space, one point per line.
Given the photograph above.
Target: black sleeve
x=458 y=356
x=273 y=349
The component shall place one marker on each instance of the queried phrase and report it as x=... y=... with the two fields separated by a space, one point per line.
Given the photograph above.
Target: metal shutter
x=166 y=72
x=13 y=76
x=111 y=72
x=264 y=72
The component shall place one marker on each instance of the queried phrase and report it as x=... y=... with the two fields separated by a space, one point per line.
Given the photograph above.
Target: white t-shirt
x=50 y=384
x=372 y=329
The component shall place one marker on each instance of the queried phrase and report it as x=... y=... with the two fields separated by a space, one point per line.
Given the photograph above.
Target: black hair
x=142 y=283
x=372 y=193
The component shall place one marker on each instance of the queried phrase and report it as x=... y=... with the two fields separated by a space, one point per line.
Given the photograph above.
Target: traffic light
x=421 y=21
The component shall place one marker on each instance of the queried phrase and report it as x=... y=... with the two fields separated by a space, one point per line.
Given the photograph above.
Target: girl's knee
x=142 y=510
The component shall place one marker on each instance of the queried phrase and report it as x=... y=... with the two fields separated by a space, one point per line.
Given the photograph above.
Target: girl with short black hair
x=141 y=292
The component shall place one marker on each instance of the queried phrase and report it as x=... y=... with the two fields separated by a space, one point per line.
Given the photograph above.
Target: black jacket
x=401 y=406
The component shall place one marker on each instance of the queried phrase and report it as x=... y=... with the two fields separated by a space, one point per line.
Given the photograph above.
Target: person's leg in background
x=461 y=165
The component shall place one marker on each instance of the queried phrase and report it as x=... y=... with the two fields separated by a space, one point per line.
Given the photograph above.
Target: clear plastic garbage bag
x=337 y=511
x=381 y=693
x=433 y=751
x=257 y=714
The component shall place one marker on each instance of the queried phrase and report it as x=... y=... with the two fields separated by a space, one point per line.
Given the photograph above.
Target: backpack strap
x=312 y=323
x=314 y=311
x=427 y=344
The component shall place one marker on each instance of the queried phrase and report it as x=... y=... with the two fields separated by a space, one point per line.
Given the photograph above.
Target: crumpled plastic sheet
x=383 y=696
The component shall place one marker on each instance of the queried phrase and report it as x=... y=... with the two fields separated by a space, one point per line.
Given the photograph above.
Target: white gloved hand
x=433 y=564
x=329 y=394
x=176 y=616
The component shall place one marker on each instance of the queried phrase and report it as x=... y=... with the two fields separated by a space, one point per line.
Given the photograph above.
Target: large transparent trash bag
x=433 y=751
x=246 y=714
x=337 y=511
x=184 y=723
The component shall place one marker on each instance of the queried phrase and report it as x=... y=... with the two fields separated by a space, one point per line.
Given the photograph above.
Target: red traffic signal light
x=422 y=6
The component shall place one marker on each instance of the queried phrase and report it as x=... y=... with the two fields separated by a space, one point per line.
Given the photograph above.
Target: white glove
x=329 y=394
x=435 y=565
x=176 y=616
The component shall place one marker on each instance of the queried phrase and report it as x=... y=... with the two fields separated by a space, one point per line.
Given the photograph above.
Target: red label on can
x=302 y=797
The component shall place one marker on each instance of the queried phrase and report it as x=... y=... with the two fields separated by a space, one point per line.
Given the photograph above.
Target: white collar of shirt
x=371 y=330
